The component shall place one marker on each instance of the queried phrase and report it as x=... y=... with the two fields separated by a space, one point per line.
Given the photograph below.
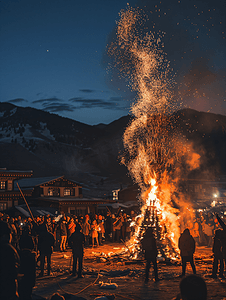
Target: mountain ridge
x=52 y=145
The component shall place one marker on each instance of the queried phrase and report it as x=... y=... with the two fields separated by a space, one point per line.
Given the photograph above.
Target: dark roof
x=28 y=183
x=74 y=199
x=32 y=182
x=37 y=211
x=15 y=173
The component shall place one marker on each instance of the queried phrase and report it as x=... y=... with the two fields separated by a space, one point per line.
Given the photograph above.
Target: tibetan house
x=9 y=196
x=60 y=193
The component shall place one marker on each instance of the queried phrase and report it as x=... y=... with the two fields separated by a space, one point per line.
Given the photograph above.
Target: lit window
x=2 y=186
x=50 y=192
x=67 y=192
x=3 y=206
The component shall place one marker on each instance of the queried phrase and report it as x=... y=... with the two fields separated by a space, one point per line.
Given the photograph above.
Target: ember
x=155 y=155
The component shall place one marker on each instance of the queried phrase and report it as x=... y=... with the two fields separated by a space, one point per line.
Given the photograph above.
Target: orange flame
x=154 y=153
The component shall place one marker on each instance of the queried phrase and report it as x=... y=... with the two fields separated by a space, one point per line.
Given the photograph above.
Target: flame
x=154 y=151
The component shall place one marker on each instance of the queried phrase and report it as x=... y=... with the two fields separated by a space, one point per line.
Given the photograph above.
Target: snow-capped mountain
x=32 y=139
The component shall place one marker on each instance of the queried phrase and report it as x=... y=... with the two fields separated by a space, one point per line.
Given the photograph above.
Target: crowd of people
x=96 y=228
x=26 y=242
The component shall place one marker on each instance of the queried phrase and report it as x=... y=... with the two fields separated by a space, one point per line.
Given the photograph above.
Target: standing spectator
x=71 y=227
x=49 y=223
x=208 y=231
x=27 y=266
x=26 y=240
x=45 y=246
x=218 y=254
x=13 y=232
x=76 y=242
x=223 y=240
x=186 y=244
x=86 y=230
x=94 y=232
x=30 y=224
x=113 y=228
x=195 y=232
x=9 y=262
x=108 y=226
x=123 y=227
x=101 y=229
x=128 y=228
x=18 y=228
x=150 y=249
x=54 y=229
x=117 y=225
x=63 y=234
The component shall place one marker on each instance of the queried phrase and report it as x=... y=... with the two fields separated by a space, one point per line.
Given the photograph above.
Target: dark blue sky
x=53 y=55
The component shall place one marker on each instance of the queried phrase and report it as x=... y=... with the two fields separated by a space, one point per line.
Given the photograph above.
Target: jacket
x=149 y=245
x=186 y=244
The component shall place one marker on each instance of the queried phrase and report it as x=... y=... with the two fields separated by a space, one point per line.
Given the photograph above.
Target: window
x=3 y=206
x=67 y=192
x=115 y=194
x=53 y=192
x=10 y=185
x=50 y=192
x=2 y=185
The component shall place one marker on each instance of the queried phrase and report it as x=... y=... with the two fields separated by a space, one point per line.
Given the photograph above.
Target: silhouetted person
x=9 y=264
x=223 y=239
x=108 y=226
x=45 y=246
x=186 y=244
x=86 y=230
x=26 y=240
x=63 y=234
x=27 y=266
x=76 y=242
x=94 y=233
x=192 y=287
x=150 y=251
x=218 y=254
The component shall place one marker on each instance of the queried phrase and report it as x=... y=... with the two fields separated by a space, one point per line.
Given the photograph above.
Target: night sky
x=53 y=55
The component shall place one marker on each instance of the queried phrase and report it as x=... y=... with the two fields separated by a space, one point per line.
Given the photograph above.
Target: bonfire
x=156 y=154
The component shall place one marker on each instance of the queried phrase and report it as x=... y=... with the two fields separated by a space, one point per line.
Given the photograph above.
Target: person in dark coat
x=108 y=226
x=218 y=254
x=27 y=268
x=223 y=238
x=192 y=287
x=186 y=244
x=45 y=246
x=76 y=242
x=63 y=234
x=9 y=264
x=150 y=251
x=13 y=232
x=26 y=240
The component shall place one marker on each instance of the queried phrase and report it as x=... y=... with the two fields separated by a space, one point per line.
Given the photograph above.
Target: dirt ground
x=127 y=277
